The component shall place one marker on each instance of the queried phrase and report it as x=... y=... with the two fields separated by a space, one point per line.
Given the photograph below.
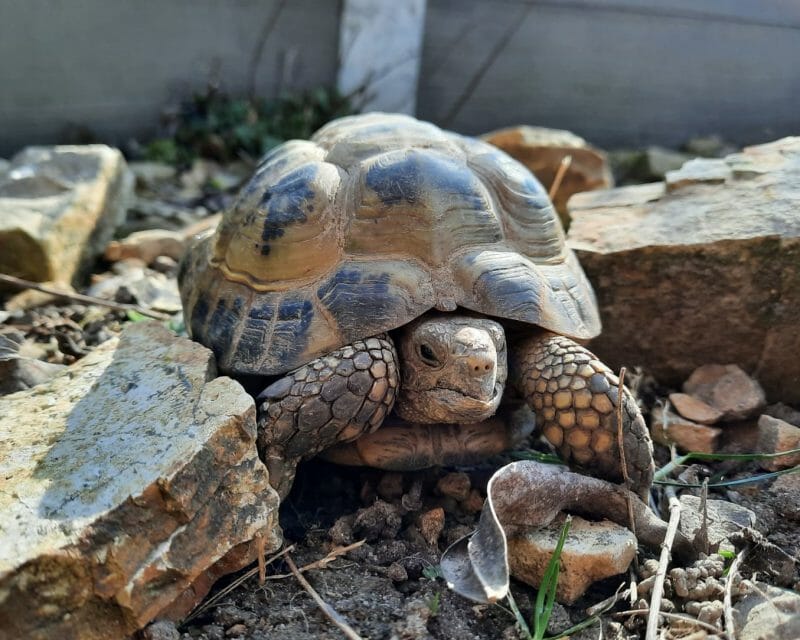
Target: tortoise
x=387 y=273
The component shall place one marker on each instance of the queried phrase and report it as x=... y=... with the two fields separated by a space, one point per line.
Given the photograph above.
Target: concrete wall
x=618 y=72
x=113 y=65
x=615 y=71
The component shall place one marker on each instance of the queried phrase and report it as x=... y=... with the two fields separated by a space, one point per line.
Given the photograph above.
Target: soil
x=389 y=586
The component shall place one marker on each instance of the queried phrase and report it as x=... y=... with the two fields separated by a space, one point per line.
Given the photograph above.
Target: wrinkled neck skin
x=454 y=369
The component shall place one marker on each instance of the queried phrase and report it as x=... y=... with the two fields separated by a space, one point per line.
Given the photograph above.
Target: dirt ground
x=389 y=586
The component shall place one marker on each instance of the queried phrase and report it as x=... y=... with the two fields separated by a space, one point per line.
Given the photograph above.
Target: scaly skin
x=575 y=398
x=332 y=399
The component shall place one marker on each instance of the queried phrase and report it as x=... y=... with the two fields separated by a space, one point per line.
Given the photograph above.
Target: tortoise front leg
x=335 y=398
x=575 y=398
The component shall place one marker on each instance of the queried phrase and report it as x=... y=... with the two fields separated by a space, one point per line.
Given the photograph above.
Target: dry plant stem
x=324 y=606
x=566 y=161
x=733 y=570
x=233 y=585
x=79 y=297
x=606 y=604
x=262 y=565
x=671 y=616
x=661 y=573
x=322 y=562
x=623 y=462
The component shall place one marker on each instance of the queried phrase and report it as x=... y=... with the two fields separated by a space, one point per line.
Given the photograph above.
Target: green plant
x=217 y=126
x=546 y=596
x=434 y=602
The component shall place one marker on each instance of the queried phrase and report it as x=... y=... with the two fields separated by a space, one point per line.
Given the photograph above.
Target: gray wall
x=618 y=72
x=114 y=65
x=615 y=71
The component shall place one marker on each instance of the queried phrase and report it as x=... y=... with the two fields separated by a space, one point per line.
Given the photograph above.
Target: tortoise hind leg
x=575 y=398
x=332 y=399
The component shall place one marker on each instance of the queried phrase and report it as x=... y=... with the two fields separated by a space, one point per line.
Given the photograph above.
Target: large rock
x=59 y=207
x=700 y=269
x=542 y=150
x=130 y=483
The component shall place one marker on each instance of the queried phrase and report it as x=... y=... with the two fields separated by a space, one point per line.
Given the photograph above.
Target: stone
x=698 y=274
x=431 y=525
x=19 y=372
x=724 y=519
x=59 y=207
x=784 y=412
x=774 y=436
x=712 y=146
x=768 y=613
x=727 y=389
x=697 y=172
x=455 y=484
x=147 y=245
x=694 y=409
x=592 y=551
x=658 y=162
x=131 y=483
x=542 y=150
x=786 y=492
x=669 y=428
x=150 y=174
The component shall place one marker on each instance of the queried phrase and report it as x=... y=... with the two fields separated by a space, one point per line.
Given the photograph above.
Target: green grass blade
x=546 y=597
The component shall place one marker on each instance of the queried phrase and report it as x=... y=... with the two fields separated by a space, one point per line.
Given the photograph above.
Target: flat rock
x=724 y=519
x=774 y=436
x=768 y=613
x=59 y=206
x=669 y=428
x=131 y=482
x=542 y=150
x=727 y=389
x=694 y=409
x=702 y=271
x=592 y=551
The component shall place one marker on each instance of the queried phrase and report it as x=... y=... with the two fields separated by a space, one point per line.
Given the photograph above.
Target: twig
x=262 y=565
x=79 y=297
x=324 y=606
x=702 y=535
x=661 y=573
x=566 y=161
x=623 y=461
x=730 y=628
x=672 y=616
x=322 y=562
x=605 y=605
x=233 y=585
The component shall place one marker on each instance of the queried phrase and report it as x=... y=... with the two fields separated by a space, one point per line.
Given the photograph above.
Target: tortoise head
x=454 y=369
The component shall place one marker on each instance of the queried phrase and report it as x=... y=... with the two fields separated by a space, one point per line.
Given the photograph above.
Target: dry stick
x=566 y=161
x=242 y=578
x=327 y=609
x=730 y=629
x=262 y=565
x=623 y=462
x=671 y=616
x=661 y=573
x=79 y=297
x=322 y=562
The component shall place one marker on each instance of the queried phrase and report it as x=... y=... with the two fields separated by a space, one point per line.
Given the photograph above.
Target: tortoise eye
x=427 y=355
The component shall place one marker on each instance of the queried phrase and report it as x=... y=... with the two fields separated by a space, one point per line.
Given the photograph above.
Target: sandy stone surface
x=541 y=150
x=58 y=208
x=592 y=551
x=131 y=481
x=702 y=271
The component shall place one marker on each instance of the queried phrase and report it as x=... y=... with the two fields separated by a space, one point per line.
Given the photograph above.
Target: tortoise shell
x=371 y=223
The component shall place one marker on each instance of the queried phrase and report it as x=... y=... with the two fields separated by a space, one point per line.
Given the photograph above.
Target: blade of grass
x=730 y=483
x=546 y=597
x=696 y=455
